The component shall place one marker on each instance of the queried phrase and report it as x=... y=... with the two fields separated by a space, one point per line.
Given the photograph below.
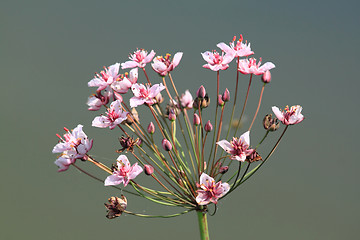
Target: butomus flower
x=163 y=65
x=123 y=173
x=138 y=59
x=289 y=116
x=144 y=94
x=237 y=147
x=114 y=116
x=209 y=190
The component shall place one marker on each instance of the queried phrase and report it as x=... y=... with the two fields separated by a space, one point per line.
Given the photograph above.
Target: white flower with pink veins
x=123 y=173
x=75 y=142
x=239 y=49
x=289 y=116
x=105 y=78
x=144 y=94
x=215 y=61
x=163 y=65
x=209 y=190
x=238 y=148
x=249 y=66
x=138 y=59
x=114 y=116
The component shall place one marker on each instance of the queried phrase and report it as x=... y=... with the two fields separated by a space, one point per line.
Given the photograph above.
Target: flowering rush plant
x=193 y=160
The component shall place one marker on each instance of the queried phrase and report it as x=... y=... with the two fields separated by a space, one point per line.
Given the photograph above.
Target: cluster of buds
x=189 y=165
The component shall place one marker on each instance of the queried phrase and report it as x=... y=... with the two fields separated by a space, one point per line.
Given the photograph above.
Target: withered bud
x=148 y=169
x=208 y=126
x=253 y=157
x=172 y=107
x=226 y=95
x=220 y=101
x=127 y=143
x=151 y=128
x=201 y=102
x=116 y=206
x=266 y=77
x=196 y=120
x=166 y=144
x=223 y=169
x=270 y=124
x=201 y=92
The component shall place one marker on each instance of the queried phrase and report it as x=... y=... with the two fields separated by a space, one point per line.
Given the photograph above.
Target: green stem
x=203 y=226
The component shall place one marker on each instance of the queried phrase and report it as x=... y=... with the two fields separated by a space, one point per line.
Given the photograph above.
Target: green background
x=50 y=50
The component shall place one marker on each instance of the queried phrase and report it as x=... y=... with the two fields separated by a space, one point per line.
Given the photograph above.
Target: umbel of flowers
x=179 y=148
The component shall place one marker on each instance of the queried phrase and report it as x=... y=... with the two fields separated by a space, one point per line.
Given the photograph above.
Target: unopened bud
x=270 y=124
x=148 y=169
x=208 y=126
x=151 y=128
x=196 y=119
x=220 y=101
x=159 y=98
x=226 y=95
x=266 y=77
x=201 y=92
x=172 y=115
x=223 y=169
x=139 y=142
x=166 y=145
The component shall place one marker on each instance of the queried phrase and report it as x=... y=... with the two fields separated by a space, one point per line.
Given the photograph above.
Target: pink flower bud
x=220 y=101
x=208 y=126
x=201 y=92
x=172 y=115
x=266 y=77
x=196 y=119
x=166 y=145
x=151 y=128
x=226 y=95
x=148 y=169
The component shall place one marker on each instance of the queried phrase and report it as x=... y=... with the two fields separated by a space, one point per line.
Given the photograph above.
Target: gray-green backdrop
x=50 y=50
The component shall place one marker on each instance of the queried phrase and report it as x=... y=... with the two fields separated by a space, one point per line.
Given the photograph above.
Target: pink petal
x=124 y=160
x=206 y=180
x=135 y=101
x=135 y=170
x=113 y=180
x=225 y=47
x=225 y=145
x=149 y=57
x=245 y=137
x=278 y=113
x=177 y=58
x=129 y=64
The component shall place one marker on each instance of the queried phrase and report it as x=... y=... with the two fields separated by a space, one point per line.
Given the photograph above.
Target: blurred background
x=51 y=49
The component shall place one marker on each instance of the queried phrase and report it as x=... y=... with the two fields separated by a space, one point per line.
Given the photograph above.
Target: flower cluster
x=179 y=148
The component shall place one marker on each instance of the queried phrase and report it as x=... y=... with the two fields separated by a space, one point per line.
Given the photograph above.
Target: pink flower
x=163 y=65
x=216 y=61
x=186 y=100
x=289 y=116
x=123 y=173
x=95 y=102
x=139 y=59
x=144 y=94
x=114 y=116
x=239 y=49
x=209 y=190
x=238 y=148
x=123 y=83
x=247 y=66
x=105 y=78
x=75 y=143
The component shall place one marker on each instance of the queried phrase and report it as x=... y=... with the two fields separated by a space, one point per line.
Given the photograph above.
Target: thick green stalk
x=203 y=226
